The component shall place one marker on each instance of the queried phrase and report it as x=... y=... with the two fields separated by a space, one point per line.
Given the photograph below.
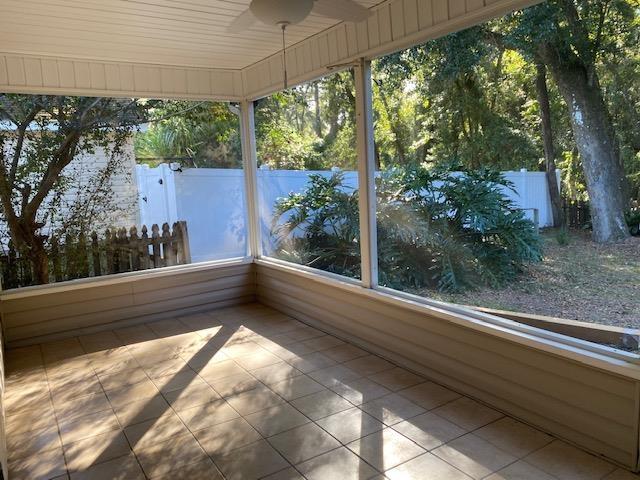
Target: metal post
x=250 y=169
x=366 y=172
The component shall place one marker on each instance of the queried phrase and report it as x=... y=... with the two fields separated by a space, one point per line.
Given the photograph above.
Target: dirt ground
x=580 y=281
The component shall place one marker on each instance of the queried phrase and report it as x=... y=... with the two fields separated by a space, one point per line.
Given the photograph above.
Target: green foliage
x=562 y=236
x=633 y=220
x=435 y=228
x=196 y=134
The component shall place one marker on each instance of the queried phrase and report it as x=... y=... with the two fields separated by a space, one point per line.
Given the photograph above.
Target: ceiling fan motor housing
x=281 y=12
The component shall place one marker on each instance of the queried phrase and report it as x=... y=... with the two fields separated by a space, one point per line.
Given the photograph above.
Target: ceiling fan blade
x=346 y=10
x=242 y=22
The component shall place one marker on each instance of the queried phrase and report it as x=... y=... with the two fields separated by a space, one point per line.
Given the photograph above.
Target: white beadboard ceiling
x=181 y=49
x=186 y=33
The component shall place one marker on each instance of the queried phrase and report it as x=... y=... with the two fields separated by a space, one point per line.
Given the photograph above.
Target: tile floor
x=247 y=392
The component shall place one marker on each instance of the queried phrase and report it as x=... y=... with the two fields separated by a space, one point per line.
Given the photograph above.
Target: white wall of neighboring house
x=122 y=186
x=211 y=201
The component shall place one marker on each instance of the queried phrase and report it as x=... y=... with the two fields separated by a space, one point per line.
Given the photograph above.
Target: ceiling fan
x=289 y=12
x=282 y=13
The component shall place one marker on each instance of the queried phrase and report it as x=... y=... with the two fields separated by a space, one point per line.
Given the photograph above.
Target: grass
x=578 y=280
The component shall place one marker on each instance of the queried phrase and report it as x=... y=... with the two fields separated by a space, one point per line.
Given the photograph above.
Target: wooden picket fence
x=117 y=251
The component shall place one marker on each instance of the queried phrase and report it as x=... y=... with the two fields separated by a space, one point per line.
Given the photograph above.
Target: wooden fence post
x=134 y=248
x=111 y=254
x=167 y=246
x=12 y=266
x=144 y=263
x=95 y=254
x=155 y=242
x=55 y=259
x=83 y=261
x=184 y=242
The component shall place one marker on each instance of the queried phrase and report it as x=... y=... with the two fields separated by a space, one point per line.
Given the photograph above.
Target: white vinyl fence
x=212 y=202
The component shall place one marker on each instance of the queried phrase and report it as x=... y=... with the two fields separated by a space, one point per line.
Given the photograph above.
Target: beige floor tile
x=322 y=343
x=300 y=334
x=96 y=342
x=276 y=419
x=81 y=406
x=321 y=404
x=121 y=378
x=426 y=467
x=29 y=421
x=392 y=409
x=132 y=393
x=291 y=351
x=115 y=364
x=162 y=368
x=369 y=364
x=171 y=455
x=286 y=474
x=350 y=425
x=88 y=426
x=23 y=358
x=122 y=468
x=68 y=391
x=568 y=463
x=167 y=327
x=142 y=410
x=620 y=474
x=331 y=375
x=229 y=386
x=513 y=437
x=296 y=387
x=135 y=334
x=275 y=373
x=191 y=396
x=340 y=463
x=241 y=349
x=429 y=430
x=344 y=352
x=429 y=395
x=254 y=400
x=311 y=362
x=258 y=360
x=520 y=470
x=219 y=370
x=204 y=357
x=177 y=381
x=474 y=456
x=359 y=390
x=31 y=443
x=467 y=413
x=303 y=443
x=149 y=432
x=68 y=366
x=205 y=470
x=46 y=465
x=251 y=462
x=97 y=449
x=207 y=415
x=23 y=402
x=396 y=378
x=225 y=437
x=385 y=449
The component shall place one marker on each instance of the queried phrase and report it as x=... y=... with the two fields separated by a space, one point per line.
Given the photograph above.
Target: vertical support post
x=250 y=170
x=366 y=174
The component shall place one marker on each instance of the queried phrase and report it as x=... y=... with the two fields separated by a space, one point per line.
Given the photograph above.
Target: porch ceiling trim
x=394 y=25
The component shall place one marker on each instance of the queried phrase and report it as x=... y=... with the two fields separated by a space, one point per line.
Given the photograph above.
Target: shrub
x=436 y=228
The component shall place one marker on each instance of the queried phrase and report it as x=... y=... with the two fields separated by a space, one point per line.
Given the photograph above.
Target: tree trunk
x=316 y=100
x=595 y=139
x=549 y=151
